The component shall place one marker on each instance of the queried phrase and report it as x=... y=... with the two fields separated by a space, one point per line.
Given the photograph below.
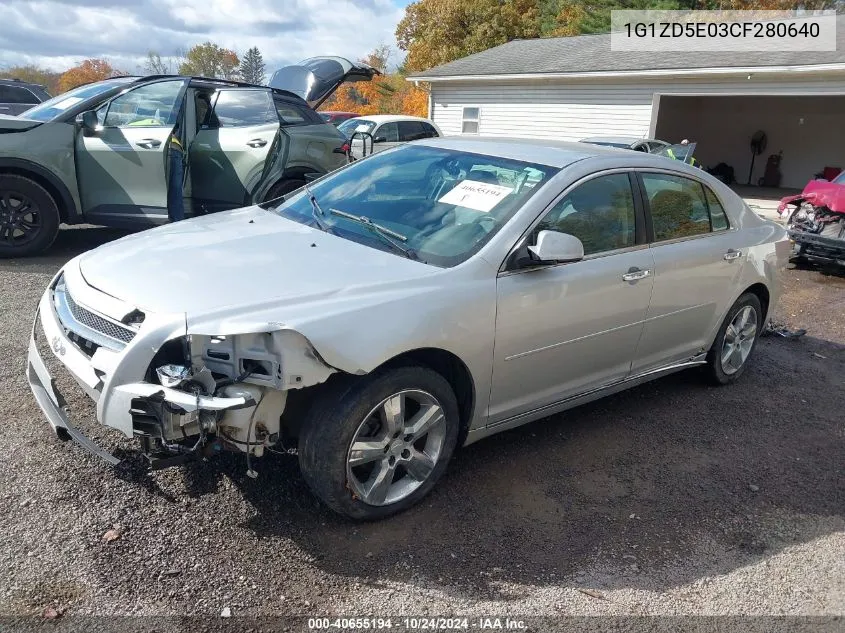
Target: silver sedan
x=418 y=300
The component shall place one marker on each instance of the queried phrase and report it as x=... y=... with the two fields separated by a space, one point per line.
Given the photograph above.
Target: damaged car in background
x=815 y=220
x=404 y=305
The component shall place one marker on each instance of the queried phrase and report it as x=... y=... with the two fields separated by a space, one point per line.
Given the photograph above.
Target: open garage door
x=810 y=130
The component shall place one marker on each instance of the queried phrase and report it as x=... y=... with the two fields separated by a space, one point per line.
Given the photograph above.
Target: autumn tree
x=252 y=66
x=86 y=72
x=435 y=32
x=35 y=75
x=210 y=60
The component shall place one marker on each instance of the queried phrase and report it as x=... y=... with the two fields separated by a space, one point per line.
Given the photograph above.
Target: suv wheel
x=375 y=446
x=29 y=217
x=735 y=341
x=282 y=188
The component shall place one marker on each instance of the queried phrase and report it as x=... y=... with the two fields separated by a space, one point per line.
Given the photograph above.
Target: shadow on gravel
x=659 y=486
x=70 y=242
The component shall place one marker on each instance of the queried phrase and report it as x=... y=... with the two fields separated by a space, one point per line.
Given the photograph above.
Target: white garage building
x=574 y=87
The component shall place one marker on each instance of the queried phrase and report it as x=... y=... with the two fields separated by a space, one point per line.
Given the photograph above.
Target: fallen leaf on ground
x=111 y=535
x=51 y=613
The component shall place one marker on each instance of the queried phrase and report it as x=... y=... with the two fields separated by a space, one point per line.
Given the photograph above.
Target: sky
x=57 y=34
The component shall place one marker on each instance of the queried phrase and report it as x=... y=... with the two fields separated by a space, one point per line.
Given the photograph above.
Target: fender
x=68 y=210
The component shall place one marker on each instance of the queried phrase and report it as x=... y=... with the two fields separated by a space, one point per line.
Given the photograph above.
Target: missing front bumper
x=53 y=404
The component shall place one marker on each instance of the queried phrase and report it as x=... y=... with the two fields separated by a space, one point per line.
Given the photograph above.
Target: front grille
x=88 y=330
x=98 y=323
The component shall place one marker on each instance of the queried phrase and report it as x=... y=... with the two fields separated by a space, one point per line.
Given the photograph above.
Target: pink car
x=815 y=220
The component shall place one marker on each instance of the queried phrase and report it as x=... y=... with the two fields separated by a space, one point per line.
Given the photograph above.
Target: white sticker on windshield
x=363 y=128
x=472 y=194
x=64 y=104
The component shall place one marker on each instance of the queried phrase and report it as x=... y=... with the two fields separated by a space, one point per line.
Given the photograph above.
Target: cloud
x=58 y=33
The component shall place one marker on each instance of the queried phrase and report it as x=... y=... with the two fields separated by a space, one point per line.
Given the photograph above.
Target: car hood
x=16 y=124
x=244 y=258
x=316 y=78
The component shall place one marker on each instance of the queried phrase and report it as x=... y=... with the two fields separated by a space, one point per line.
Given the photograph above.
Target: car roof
x=6 y=81
x=627 y=140
x=547 y=152
x=385 y=118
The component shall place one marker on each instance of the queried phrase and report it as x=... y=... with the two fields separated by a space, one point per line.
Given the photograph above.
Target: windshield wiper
x=316 y=211
x=387 y=235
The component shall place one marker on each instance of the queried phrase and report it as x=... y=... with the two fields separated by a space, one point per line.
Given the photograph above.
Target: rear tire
x=283 y=187
x=736 y=340
x=29 y=217
x=405 y=452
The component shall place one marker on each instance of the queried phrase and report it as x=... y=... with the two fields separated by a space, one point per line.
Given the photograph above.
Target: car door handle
x=257 y=142
x=148 y=143
x=732 y=255
x=635 y=274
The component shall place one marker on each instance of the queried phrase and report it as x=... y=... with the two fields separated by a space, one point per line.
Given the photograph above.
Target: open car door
x=315 y=79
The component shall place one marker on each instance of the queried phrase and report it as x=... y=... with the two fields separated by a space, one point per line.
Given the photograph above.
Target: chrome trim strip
x=698 y=359
x=69 y=321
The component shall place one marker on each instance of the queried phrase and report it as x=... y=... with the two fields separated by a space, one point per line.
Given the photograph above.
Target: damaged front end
x=815 y=222
x=182 y=394
x=222 y=392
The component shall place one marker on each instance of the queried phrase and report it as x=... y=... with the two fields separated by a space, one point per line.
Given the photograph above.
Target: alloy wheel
x=20 y=219
x=739 y=339
x=396 y=447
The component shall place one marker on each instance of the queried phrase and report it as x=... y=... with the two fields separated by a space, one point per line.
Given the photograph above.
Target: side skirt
x=583 y=398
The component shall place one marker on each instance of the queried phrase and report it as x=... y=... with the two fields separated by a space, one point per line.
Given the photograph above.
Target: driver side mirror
x=88 y=121
x=380 y=139
x=556 y=247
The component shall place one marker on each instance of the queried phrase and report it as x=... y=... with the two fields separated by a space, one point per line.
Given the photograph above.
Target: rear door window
x=290 y=114
x=243 y=108
x=680 y=207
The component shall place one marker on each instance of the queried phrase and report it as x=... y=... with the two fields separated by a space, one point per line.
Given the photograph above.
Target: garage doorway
x=809 y=129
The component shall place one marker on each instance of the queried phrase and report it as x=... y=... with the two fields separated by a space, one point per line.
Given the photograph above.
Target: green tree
x=252 y=66
x=210 y=60
x=435 y=32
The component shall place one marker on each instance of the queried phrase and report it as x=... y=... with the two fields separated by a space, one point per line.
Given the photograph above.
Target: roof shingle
x=591 y=53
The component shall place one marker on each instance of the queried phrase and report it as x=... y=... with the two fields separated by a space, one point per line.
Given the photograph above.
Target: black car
x=17 y=96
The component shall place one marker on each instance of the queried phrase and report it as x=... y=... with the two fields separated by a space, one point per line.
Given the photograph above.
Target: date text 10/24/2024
x=418 y=624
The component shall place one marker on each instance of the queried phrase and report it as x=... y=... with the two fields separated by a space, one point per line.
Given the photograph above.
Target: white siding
x=573 y=109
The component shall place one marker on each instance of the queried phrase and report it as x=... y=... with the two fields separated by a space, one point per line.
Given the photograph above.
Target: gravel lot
x=672 y=498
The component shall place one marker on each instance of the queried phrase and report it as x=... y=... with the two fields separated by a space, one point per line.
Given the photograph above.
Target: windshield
x=351 y=125
x=440 y=205
x=50 y=109
x=840 y=179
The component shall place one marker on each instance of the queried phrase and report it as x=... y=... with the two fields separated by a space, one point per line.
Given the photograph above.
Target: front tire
x=728 y=358
x=29 y=217
x=283 y=187
x=375 y=446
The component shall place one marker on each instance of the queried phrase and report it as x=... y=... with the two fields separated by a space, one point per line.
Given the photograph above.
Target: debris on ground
x=592 y=593
x=777 y=329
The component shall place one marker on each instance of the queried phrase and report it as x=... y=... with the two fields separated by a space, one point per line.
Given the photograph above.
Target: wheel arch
x=762 y=293
x=68 y=211
x=453 y=369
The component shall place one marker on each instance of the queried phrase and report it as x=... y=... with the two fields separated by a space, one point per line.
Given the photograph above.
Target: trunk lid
x=316 y=78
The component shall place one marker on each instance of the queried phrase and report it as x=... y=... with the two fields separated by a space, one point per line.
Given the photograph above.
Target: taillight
x=343 y=149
